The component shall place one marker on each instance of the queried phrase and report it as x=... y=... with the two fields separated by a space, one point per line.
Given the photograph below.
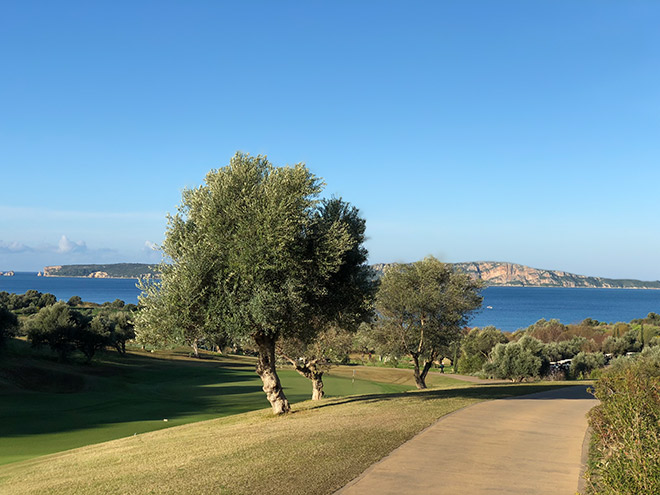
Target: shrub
x=585 y=362
x=476 y=346
x=515 y=361
x=626 y=426
x=75 y=301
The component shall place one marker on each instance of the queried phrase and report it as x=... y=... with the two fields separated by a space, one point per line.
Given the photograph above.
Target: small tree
x=57 y=326
x=122 y=330
x=94 y=336
x=75 y=301
x=585 y=362
x=476 y=347
x=422 y=307
x=516 y=361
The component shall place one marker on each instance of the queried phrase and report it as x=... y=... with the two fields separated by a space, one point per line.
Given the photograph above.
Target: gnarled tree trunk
x=317 y=385
x=420 y=380
x=420 y=375
x=268 y=374
x=310 y=370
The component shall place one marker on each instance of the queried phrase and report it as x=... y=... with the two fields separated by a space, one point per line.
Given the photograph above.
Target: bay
x=98 y=290
x=511 y=308
x=507 y=308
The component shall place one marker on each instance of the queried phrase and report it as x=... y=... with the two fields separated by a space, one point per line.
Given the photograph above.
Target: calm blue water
x=512 y=307
x=518 y=307
x=98 y=290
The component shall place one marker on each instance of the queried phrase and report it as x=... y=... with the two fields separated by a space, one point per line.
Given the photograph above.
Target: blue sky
x=471 y=130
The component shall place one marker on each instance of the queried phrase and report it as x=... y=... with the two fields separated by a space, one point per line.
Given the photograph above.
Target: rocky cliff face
x=51 y=271
x=511 y=274
x=98 y=275
x=496 y=273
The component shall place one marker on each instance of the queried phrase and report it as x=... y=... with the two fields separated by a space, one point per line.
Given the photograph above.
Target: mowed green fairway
x=48 y=407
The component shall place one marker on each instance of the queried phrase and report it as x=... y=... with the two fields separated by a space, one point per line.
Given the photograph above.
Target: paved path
x=526 y=445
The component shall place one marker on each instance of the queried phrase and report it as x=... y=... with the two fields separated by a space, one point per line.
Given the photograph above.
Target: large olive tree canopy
x=245 y=255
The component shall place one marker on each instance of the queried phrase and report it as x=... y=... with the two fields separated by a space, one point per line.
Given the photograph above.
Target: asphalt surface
x=526 y=445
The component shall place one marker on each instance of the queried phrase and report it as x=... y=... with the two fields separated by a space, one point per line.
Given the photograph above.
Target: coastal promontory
x=112 y=270
x=503 y=274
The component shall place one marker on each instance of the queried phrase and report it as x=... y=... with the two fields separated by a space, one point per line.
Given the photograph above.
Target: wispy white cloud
x=14 y=247
x=64 y=246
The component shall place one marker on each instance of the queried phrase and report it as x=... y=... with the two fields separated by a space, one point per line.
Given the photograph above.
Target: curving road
x=524 y=445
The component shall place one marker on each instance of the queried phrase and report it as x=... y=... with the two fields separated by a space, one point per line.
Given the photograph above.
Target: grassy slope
x=315 y=450
x=48 y=407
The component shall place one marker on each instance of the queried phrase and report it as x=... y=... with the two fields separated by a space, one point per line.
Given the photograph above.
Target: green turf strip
x=119 y=397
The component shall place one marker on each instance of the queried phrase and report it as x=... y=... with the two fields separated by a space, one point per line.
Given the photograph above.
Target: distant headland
x=503 y=274
x=493 y=273
x=112 y=270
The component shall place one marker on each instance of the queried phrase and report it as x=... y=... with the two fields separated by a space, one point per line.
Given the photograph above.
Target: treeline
x=30 y=302
x=66 y=327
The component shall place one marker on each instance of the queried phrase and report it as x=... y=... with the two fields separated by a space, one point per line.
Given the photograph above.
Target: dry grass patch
x=315 y=450
x=399 y=376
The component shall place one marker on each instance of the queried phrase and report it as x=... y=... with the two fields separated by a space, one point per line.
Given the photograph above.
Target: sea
x=507 y=308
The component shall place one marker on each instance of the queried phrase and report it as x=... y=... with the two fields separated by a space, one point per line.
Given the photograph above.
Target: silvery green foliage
x=243 y=254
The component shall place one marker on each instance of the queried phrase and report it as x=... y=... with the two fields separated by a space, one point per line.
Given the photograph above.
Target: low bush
x=585 y=362
x=625 y=456
x=516 y=361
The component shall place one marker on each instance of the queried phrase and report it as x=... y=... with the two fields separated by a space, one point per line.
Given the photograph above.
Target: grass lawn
x=48 y=407
x=315 y=450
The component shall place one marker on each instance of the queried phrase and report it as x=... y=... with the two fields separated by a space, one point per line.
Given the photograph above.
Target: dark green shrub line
x=65 y=329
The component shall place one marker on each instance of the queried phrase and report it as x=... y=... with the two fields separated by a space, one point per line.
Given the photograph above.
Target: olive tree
x=58 y=326
x=262 y=264
x=422 y=307
x=346 y=302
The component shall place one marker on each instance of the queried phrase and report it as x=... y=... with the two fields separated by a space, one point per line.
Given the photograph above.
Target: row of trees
x=256 y=258
x=64 y=329
x=30 y=302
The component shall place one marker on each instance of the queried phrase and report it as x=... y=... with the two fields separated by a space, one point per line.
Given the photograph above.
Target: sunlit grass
x=47 y=407
x=315 y=450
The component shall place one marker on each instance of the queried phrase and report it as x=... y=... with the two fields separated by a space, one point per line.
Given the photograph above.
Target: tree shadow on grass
x=130 y=390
